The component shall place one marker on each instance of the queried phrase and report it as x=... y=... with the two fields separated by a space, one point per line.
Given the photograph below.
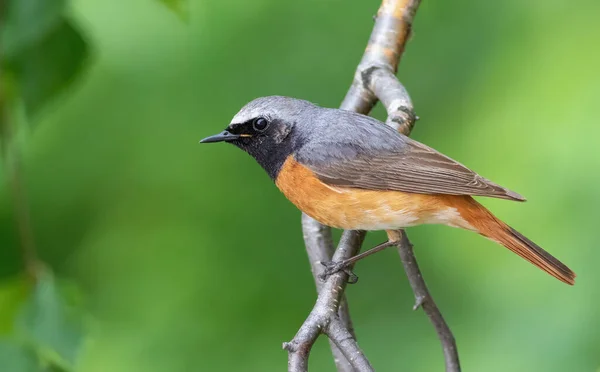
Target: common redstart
x=351 y=171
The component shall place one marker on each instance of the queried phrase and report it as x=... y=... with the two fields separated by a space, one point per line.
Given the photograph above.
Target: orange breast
x=359 y=209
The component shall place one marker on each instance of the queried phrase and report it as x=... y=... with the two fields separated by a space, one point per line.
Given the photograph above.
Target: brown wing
x=408 y=167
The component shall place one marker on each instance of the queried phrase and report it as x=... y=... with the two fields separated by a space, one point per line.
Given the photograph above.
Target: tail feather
x=518 y=243
x=491 y=227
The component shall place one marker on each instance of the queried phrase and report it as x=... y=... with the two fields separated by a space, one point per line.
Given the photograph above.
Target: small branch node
x=419 y=301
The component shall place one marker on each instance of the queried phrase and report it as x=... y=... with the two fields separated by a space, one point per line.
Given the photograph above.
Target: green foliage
x=46 y=68
x=12 y=294
x=54 y=328
x=45 y=331
x=40 y=55
x=14 y=357
x=27 y=22
x=42 y=52
x=178 y=6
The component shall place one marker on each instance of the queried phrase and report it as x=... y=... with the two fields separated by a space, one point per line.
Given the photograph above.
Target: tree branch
x=374 y=78
x=423 y=299
x=324 y=314
x=319 y=247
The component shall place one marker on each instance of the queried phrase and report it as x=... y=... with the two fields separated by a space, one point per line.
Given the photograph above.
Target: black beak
x=224 y=136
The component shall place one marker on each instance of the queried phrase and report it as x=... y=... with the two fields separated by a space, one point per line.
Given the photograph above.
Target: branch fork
x=374 y=80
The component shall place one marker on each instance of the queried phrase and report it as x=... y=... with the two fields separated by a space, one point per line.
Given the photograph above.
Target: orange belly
x=359 y=209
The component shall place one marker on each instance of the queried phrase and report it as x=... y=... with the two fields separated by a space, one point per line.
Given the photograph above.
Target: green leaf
x=178 y=6
x=27 y=22
x=48 y=67
x=55 y=329
x=16 y=358
x=12 y=296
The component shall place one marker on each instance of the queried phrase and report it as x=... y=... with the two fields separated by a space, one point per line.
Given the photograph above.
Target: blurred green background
x=191 y=260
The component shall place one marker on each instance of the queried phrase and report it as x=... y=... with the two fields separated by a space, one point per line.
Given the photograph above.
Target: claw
x=352 y=278
x=335 y=267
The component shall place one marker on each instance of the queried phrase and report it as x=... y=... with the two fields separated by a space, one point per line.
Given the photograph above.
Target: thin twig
x=322 y=315
x=319 y=247
x=346 y=342
x=374 y=77
x=423 y=299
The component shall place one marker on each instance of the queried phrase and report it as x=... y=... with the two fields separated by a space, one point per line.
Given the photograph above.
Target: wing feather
x=396 y=163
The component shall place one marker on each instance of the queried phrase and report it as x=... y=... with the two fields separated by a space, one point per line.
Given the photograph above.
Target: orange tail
x=491 y=227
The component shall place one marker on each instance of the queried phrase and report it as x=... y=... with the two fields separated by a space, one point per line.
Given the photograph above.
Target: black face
x=269 y=141
x=255 y=128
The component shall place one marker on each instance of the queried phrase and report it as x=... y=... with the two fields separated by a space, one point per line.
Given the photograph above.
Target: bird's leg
x=334 y=267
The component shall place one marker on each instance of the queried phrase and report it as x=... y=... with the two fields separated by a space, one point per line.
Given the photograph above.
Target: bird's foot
x=332 y=267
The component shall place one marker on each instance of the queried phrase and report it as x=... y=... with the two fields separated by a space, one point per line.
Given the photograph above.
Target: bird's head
x=267 y=129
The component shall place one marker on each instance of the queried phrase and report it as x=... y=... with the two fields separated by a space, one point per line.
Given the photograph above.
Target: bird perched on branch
x=351 y=171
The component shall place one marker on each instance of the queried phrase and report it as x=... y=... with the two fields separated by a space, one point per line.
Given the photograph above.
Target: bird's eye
x=260 y=124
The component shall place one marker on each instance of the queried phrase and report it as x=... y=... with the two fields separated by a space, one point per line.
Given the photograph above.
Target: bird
x=351 y=171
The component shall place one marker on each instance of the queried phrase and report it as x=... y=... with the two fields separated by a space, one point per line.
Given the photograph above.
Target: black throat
x=269 y=153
